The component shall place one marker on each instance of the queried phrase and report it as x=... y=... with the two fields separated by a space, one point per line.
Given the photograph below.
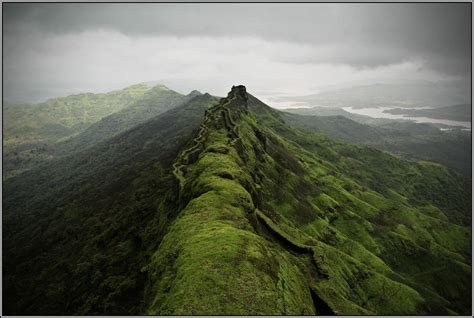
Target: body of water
x=378 y=113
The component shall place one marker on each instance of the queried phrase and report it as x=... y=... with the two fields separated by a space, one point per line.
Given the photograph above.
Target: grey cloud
x=387 y=33
x=65 y=48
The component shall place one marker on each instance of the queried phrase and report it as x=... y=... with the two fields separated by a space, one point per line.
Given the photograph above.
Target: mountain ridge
x=40 y=132
x=230 y=168
x=235 y=212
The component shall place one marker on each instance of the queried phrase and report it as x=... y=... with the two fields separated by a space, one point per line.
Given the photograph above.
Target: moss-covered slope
x=276 y=221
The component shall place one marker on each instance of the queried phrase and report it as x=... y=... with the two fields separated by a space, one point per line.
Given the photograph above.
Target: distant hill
x=334 y=111
x=39 y=132
x=410 y=94
x=407 y=139
x=60 y=117
x=156 y=101
x=455 y=112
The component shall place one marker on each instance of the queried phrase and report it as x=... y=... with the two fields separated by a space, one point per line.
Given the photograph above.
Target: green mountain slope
x=338 y=127
x=156 y=101
x=58 y=127
x=243 y=215
x=409 y=140
x=77 y=230
x=269 y=227
x=61 y=117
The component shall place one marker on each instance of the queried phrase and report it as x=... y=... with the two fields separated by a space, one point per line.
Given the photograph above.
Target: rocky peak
x=194 y=93
x=238 y=91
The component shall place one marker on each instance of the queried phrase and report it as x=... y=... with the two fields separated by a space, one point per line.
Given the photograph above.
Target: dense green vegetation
x=77 y=230
x=156 y=101
x=37 y=133
x=409 y=140
x=460 y=112
x=235 y=212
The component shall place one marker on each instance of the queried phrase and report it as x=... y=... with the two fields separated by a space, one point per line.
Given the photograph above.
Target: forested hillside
x=78 y=230
x=37 y=133
x=409 y=140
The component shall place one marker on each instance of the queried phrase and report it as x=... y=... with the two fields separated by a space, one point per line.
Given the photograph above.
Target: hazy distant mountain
x=156 y=101
x=408 y=139
x=455 y=112
x=334 y=111
x=411 y=94
x=39 y=132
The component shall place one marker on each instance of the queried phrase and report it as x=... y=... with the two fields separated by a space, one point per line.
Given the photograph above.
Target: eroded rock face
x=239 y=91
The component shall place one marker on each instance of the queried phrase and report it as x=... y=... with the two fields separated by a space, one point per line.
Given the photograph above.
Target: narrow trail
x=185 y=157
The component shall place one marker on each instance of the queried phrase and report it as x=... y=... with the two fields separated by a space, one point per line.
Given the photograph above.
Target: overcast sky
x=274 y=49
